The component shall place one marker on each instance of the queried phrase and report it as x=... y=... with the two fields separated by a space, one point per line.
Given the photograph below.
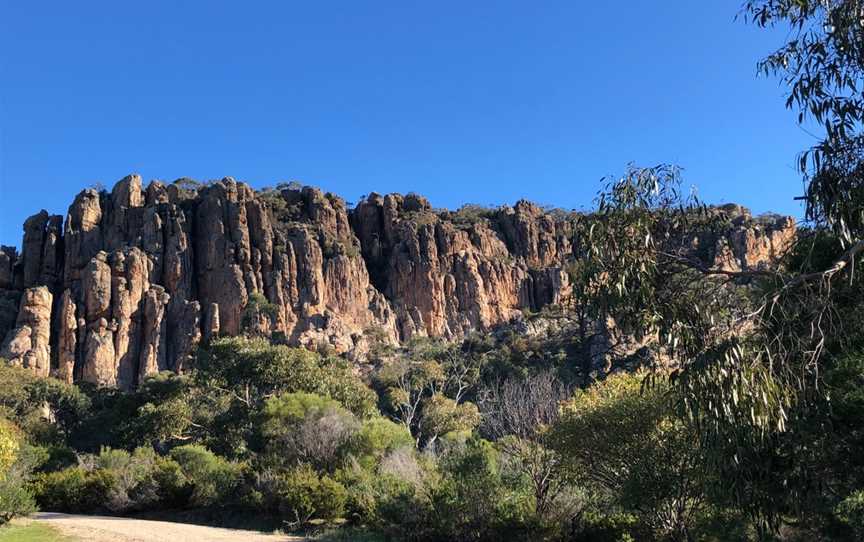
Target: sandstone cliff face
x=132 y=280
x=748 y=243
x=28 y=344
x=445 y=280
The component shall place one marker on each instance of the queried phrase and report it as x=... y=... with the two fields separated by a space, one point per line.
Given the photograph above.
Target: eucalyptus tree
x=745 y=348
x=822 y=64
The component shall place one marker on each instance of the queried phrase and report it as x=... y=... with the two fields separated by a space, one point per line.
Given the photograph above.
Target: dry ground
x=114 y=529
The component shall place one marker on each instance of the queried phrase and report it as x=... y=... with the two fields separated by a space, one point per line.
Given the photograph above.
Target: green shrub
x=9 y=444
x=402 y=508
x=305 y=496
x=252 y=367
x=15 y=500
x=442 y=415
x=50 y=458
x=211 y=478
x=73 y=489
x=304 y=427
x=19 y=459
x=850 y=512
x=615 y=527
x=623 y=440
x=377 y=499
x=362 y=499
x=24 y=396
x=470 y=214
x=257 y=307
x=377 y=437
x=129 y=470
x=467 y=502
x=718 y=524
x=162 y=486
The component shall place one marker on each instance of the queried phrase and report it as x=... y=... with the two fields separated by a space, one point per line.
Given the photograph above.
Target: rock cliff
x=130 y=281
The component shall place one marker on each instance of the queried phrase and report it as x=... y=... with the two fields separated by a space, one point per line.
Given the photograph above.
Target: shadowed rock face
x=131 y=280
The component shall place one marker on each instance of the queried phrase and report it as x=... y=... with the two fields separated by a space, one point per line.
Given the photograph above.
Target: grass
x=31 y=532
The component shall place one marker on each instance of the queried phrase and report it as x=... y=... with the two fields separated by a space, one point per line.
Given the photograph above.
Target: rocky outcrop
x=132 y=280
x=8 y=257
x=28 y=344
x=66 y=330
x=741 y=242
x=98 y=363
x=445 y=279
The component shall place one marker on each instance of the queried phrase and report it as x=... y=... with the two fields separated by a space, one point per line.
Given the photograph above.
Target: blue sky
x=480 y=102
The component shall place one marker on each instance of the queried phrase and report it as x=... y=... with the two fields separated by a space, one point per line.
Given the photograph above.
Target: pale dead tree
x=319 y=438
x=413 y=382
x=460 y=372
x=524 y=407
x=402 y=464
x=517 y=414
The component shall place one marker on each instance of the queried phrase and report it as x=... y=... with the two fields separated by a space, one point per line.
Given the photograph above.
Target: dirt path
x=111 y=529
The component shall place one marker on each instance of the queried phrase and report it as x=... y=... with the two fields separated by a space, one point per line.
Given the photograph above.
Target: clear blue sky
x=482 y=102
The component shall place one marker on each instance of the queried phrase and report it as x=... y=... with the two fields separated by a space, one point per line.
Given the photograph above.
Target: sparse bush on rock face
x=470 y=214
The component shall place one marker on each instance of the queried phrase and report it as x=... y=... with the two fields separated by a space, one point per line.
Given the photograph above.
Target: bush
x=257 y=307
x=129 y=471
x=442 y=415
x=402 y=508
x=305 y=496
x=73 y=490
x=306 y=427
x=376 y=438
x=8 y=446
x=164 y=486
x=15 y=463
x=212 y=480
x=615 y=527
x=850 y=512
x=362 y=498
x=51 y=458
x=625 y=442
x=15 y=500
x=24 y=396
x=470 y=501
x=372 y=494
x=470 y=214
x=254 y=368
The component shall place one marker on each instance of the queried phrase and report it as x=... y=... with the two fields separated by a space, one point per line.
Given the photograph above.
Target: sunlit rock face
x=131 y=280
